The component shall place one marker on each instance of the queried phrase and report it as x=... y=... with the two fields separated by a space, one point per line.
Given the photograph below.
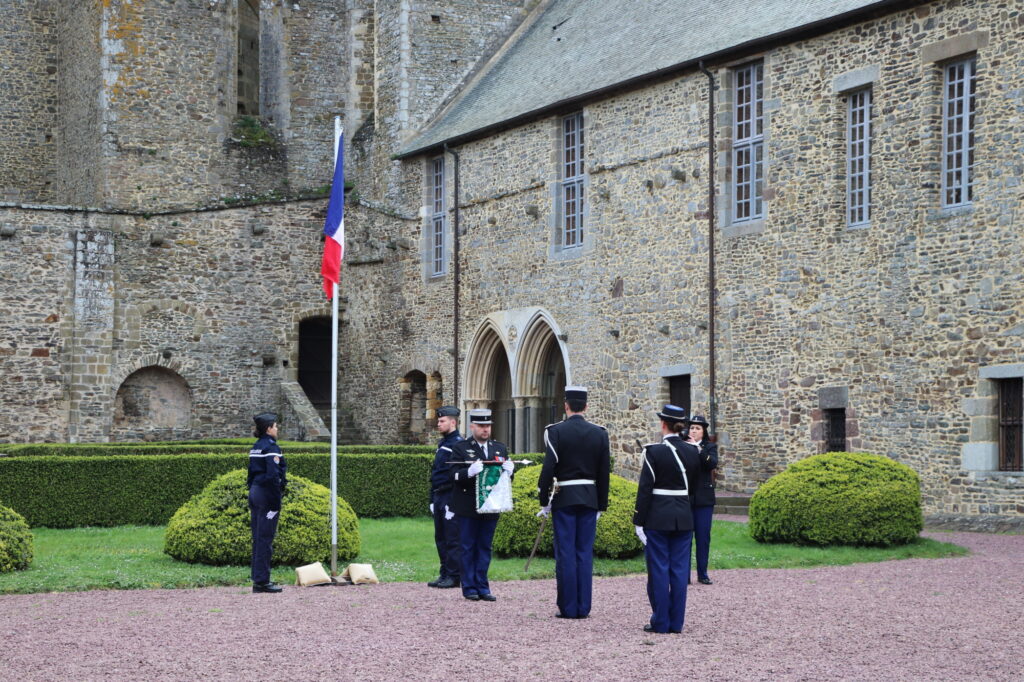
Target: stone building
x=529 y=207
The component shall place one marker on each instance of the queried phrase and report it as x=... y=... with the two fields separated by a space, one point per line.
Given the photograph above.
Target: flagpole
x=334 y=393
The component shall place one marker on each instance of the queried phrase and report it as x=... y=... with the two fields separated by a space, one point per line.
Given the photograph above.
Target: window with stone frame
x=248 y=79
x=835 y=430
x=748 y=143
x=679 y=392
x=436 y=244
x=858 y=157
x=958 y=106
x=571 y=185
x=1011 y=422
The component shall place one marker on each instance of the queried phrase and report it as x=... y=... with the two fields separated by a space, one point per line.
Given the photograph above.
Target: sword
x=524 y=462
x=540 y=531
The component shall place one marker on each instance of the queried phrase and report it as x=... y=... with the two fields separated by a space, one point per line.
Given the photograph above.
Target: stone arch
x=489 y=379
x=414 y=428
x=130 y=319
x=542 y=372
x=153 y=402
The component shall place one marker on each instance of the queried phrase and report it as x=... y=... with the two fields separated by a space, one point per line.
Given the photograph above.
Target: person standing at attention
x=266 y=482
x=446 y=528
x=702 y=500
x=577 y=456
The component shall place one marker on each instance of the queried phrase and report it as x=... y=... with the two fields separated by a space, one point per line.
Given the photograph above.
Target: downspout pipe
x=712 y=396
x=456 y=275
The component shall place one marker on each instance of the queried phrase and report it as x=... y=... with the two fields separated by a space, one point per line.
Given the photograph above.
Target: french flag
x=334 y=226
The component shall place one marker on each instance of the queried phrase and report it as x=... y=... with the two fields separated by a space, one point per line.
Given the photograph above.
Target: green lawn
x=400 y=549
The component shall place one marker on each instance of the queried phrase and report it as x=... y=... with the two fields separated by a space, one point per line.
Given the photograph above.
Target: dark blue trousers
x=668 y=568
x=702 y=537
x=446 y=538
x=574 y=529
x=263 y=531
x=475 y=535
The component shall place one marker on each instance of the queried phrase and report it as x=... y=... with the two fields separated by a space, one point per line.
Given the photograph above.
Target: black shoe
x=445 y=583
x=705 y=581
x=650 y=628
x=488 y=597
x=433 y=583
x=270 y=588
x=562 y=615
x=472 y=597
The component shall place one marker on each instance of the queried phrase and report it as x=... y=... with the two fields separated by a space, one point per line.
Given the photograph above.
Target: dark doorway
x=679 y=392
x=502 y=405
x=315 y=360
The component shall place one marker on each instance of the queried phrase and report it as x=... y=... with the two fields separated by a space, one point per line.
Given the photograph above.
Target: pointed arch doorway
x=542 y=378
x=489 y=383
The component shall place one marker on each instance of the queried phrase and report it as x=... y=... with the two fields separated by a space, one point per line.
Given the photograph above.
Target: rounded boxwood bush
x=213 y=526
x=839 y=498
x=15 y=541
x=517 y=529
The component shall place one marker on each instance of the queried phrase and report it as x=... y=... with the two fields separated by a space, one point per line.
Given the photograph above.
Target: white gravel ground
x=939 y=619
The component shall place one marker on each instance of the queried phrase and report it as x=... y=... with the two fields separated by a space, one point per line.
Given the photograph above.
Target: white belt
x=666 y=491
x=576 y=481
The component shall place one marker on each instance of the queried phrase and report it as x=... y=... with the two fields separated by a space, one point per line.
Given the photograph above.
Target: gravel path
x=939 y=619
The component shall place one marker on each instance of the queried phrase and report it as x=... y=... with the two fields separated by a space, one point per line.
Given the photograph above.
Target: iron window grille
x=571 y=186
x=958 y=105
x=437 y=218
x=1011 y=420
x=835 y=430
x=748 y=143
x=858 y=157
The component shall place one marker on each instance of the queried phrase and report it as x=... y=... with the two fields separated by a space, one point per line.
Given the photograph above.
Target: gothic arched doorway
x=542 y=379
x=489 y=383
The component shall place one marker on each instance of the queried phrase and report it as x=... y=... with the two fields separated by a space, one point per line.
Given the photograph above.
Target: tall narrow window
x=437 y=217
x=858 y=157
x=835 y=430
x=748 y=143
x=958 y=133
x=249 y=58
x=572 y=180
x=679 y=392
x=1011 y=420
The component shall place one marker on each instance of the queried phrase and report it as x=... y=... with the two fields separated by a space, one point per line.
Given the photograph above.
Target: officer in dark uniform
x=664 y=520
x=266 y=482
x=578 y=457
x=476 y=531
x=702 y=499
x=446 y=528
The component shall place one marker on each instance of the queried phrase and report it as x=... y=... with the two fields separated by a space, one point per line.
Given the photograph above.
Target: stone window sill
x=745 y=228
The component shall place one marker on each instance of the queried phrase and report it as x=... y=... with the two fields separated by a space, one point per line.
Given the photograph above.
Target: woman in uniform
x=702 y=499
x=664 y=519
x=266 y=483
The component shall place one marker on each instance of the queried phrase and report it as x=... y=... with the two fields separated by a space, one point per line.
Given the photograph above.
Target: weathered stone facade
x=898 y=323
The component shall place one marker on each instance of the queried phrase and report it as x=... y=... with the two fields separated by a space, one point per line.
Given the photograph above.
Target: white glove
x=475 y=468
x=508 y=465
x=431 y=508
x=544 y=511
x=448 y=515
x=641 y=534
x=598 y=516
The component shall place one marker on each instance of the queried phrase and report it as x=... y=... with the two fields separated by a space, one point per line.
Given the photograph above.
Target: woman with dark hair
x=664 y=519
x=266 y=483
x=702 y=499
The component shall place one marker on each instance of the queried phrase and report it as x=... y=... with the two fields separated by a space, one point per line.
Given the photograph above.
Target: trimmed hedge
x=517 y=529
x=213 y=527
x=206 y=447
x=66 y=491
x=839 y=498
x=16 y=546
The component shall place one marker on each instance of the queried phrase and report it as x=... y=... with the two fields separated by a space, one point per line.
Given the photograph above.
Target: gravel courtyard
x=900 y=620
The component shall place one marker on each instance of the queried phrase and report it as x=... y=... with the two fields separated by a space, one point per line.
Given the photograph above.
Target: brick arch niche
x=152 y=403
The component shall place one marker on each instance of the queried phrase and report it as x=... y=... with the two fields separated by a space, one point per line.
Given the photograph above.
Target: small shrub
x=213 y=527
x=839 y=498
x=15 y=541
x=250 y=132
x=517 y=529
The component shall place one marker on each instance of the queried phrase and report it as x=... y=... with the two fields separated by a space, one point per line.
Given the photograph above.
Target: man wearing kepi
x=266 y=482
x=577 y=456
x=446 y=528
x=476 y=530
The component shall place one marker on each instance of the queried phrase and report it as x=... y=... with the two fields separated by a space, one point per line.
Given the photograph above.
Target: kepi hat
x=480 y=415
x=576 y=393
x=448 y=411
x=672 y=413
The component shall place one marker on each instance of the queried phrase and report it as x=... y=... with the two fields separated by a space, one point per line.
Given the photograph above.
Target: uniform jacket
x=703 y=494
x=440 y=475
x=267 y=470
x=575 y=449
x=463 y=487
x=661 y=471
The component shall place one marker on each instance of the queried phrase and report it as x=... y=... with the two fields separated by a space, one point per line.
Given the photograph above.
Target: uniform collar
x=452 y=437
x=574 y=416
x=670 y=435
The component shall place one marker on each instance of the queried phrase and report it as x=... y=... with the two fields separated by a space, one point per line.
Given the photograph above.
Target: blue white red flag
x=334 y=226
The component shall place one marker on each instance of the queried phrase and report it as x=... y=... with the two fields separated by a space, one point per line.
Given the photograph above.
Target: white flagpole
x=334 y=393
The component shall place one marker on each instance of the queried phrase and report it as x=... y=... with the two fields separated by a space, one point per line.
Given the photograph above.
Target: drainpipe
x=713 y=399
x=457 y=278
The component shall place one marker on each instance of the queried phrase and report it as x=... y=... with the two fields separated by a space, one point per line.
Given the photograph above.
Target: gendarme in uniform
x=446 y=527
x=578 y=457
x=266 y=482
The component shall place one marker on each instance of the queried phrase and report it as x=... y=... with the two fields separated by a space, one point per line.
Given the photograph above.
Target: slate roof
x=569 y=49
